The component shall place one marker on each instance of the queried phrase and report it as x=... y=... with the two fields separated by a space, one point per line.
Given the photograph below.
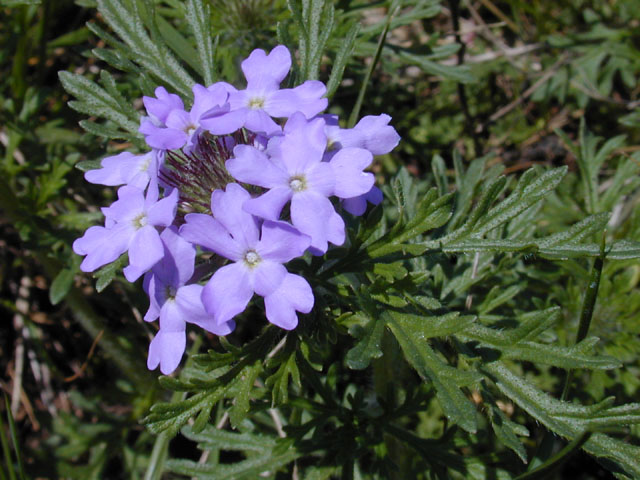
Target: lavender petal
x=227 y=293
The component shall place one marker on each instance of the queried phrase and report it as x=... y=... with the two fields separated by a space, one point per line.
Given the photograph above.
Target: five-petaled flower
x=257 y=249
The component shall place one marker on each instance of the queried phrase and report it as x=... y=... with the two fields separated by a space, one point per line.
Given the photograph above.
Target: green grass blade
x=5 y=445
x=355 y=113
x=14 y=439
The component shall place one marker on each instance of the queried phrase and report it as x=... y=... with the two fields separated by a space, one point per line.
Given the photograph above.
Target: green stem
x=588 y=306
x=355 y=113
x=546 y=445
x=555 y=462
x=158 y=457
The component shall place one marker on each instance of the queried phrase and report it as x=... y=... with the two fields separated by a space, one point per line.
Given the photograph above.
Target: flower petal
x=227 y=293
x=252 y=166
x=154 y=290
x=179 y=120
x=259 y=121
x=166 y=349
x=378 y=136
x=348 y=165
x=158 y=108
x=145 y=250
x=302 y=146
x=267 y=276
x=358 y=205
x=207 y=232
x=226 y=207
x=270 y=204
x=281 y=242
x=189 y=302
x=102 y=246
x=313 y=215
x=293 y=294
x=110 y=171
x=224 y=123
x=177 y=264
x=129 y=205
x=305 y=98
x=163 y=212
x=265 y=72
x=208 y=100
x=355 y=205
x=322 y=179
x=165 y=138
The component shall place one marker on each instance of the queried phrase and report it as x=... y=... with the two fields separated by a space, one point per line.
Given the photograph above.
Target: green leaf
x=368 y=346
x=94 y=100
x=61 y=285
x=199 y=18
x=246 y=469
x=456 y=73
x=211 y=438
x=342 y=57
x=570 y=421
x=106 y=132
x=18 y=3
x=431 y=213
x=151 y=53
x=241 y=390
x=86 y=165
x=619 y=250
x=429 y=326
x=287 y=371
x=526 y=193
x=180 y=45
x=106 y=274
x=447 y=380
x=506 y=431
x=498 y=296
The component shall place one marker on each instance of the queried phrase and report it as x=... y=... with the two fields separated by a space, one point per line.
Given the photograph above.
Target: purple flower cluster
x=253 y=195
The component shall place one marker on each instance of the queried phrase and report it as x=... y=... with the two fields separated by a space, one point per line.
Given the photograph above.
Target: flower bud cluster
x=225 y=176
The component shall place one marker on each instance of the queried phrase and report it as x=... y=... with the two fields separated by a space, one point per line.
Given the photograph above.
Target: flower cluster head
x=229 y=192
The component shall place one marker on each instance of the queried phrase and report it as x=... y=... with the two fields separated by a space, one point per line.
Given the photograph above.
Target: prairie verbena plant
x=196 y=158
x=382 y=240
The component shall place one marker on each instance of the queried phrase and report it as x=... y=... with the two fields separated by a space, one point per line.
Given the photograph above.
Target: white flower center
x=140 y=220
x=298 y=183
x=256 y=103
x=189 y=129
x=251 y=258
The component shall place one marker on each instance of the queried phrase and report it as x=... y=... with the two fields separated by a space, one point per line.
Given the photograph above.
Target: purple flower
x=179 y=128
x=127 y=169
x=158 y=108
x=358 y=205
x=257 y=256
x=293 y=170
x=130 y=225
x=263 y=98
x=175 y=302
x=373 y=133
